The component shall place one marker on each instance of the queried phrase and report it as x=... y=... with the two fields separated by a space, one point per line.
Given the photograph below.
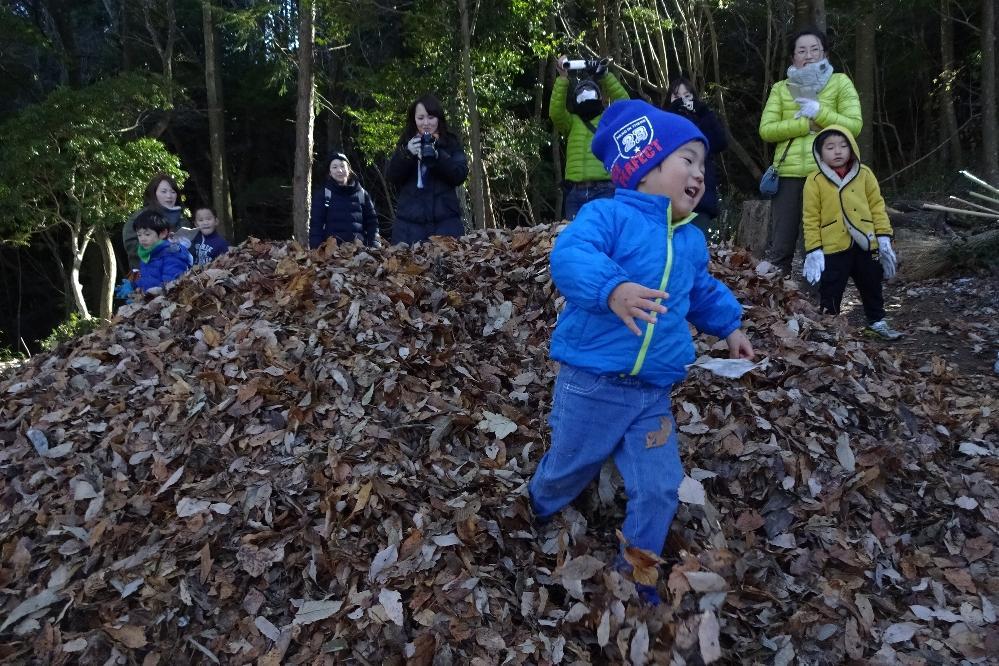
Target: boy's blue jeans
x=595 y=417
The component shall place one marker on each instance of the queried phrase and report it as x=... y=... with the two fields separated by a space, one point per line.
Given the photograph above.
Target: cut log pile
x=300 y=457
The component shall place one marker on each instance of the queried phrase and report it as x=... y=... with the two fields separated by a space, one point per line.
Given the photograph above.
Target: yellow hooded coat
x=838 y=212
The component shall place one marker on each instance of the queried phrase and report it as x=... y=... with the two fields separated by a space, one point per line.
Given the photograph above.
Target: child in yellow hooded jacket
x=846 y=229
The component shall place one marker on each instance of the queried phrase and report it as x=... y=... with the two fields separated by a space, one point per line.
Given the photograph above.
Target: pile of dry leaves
x=317 y=457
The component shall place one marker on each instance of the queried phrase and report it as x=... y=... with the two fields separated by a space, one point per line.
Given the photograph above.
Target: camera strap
x=783 y=157
x=589 y=125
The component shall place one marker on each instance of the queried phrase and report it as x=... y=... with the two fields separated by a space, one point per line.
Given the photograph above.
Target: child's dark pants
x=865 y=269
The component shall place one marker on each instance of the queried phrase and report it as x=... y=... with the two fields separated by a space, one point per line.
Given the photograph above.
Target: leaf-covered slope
x=300 y=457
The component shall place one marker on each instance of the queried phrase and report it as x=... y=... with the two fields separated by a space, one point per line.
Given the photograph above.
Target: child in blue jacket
x=621 y=349
x=160 y=259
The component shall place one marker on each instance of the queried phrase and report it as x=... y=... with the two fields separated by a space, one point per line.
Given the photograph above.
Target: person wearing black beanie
x=342 y=209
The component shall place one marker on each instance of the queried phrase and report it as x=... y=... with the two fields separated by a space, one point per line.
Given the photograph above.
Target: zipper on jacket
x=650 y=327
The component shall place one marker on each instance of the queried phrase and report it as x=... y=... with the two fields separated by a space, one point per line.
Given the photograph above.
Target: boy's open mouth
x=692 y=191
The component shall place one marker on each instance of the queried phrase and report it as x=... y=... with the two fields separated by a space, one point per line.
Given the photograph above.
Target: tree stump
x=754 y=226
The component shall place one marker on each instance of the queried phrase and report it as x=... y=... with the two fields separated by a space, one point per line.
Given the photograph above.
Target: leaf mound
x=321 y=457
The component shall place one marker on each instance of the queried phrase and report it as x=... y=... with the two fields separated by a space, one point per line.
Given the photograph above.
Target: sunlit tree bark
x=305 y=117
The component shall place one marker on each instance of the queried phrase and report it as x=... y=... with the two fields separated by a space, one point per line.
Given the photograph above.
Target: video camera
x=592 y=66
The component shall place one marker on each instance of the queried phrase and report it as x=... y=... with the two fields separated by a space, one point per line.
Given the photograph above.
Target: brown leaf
x=424 y=647
x=661 y=436
x=128 y=635
x=961 y=579
x=852 y=642
x=363 y=495
x=977 y=548
x=749 y=521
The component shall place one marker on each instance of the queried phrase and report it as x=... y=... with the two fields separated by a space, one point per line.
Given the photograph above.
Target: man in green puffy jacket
x=576 y=119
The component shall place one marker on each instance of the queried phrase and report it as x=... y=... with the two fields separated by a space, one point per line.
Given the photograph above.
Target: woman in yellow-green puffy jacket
x=811 y=98
x=576 y=119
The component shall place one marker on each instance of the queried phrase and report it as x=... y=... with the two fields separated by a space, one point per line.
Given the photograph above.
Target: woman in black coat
x=342 y=208
x=427 y=166
x=685 y=102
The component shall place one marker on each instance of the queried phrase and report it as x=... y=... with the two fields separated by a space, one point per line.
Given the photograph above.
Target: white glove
x=889 y=262
x=414 y=146
x=809 y=107
x=815 y=263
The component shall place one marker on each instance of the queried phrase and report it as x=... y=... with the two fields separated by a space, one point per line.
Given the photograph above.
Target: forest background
x=242 y=100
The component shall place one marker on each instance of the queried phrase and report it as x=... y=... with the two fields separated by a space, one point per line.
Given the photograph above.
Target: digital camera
x=427 y=149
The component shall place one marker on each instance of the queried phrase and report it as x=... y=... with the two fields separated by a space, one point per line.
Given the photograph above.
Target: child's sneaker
x=647 y=593
x=880 y=329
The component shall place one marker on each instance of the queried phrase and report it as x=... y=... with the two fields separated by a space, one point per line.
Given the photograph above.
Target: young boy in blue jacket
x=619 y=346
x=160 y=259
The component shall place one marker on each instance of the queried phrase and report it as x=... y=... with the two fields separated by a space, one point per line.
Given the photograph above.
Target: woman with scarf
x=426 y=167
x=811 y=98
x=576 y=120
x=161 y=196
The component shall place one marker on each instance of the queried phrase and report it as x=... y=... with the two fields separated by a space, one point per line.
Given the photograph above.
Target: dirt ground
x=955 y=318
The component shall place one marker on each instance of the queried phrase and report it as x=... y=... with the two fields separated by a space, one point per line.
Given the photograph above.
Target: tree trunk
x=165 y=46
x=753 y=226
x=810 y=14
x=990 y=133
x=534 y=199
x=216 y=123
x=109 y=273
x=866 y=57
x=304 y=119
x=478 y=190
x=945 y=89
x=336 y=94
x=78 y=241
x=59 y=12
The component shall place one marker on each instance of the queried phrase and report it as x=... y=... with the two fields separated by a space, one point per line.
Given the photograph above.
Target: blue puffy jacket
x=168 y=261
x=631 y=238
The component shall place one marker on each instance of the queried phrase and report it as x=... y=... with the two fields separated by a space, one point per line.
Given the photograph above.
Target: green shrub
x=74 y=327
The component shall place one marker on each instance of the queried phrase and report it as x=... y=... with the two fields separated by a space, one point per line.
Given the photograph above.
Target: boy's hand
x=739 y=345
x=631 y=301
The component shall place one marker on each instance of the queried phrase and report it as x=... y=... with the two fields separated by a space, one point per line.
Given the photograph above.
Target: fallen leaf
x=691 y=492
x=705 y=581
x=391 y=601
x=900 y=631
x=708 y=632
x=314 y=611
x=128 y=635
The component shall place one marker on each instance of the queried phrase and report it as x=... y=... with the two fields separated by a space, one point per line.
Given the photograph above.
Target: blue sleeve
x=713 y=307
x=176 y=261
x=221 y=245
x=150 y=274
x=581 y=265
x=317 y=220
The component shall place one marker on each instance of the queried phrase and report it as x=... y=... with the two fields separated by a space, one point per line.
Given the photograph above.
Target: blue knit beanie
x=633 y=137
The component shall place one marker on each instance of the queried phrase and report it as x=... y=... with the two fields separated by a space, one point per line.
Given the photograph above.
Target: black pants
x=865 y=269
